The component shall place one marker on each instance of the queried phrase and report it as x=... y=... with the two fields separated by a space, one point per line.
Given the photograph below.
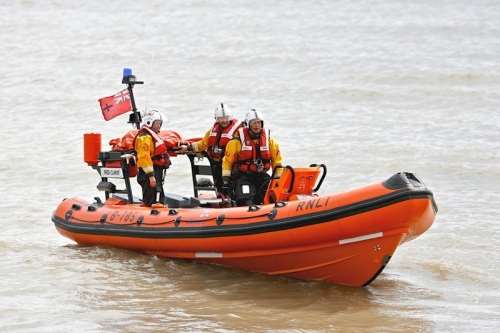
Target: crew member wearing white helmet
x=215 y=140
x=247 y=160
x=152 y=157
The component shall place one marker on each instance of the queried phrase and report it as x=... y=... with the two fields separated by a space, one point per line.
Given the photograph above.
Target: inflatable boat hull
x=345 y=238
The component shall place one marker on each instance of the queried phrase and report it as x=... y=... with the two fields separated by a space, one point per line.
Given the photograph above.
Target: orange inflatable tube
x=346 y=238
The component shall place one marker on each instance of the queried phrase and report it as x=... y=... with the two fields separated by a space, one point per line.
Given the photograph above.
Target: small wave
x=455 y=271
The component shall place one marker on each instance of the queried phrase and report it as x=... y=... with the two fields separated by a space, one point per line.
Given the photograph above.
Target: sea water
x=369 y=88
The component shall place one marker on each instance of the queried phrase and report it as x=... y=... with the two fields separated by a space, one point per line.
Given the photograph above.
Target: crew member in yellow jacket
x=248 y=159
x=215 y=140
x=152 y=158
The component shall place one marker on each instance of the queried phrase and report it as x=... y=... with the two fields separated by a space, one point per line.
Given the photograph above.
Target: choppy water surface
x=367 y=87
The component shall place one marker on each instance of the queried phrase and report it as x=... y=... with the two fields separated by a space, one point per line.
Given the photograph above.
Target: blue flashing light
x=127 y=72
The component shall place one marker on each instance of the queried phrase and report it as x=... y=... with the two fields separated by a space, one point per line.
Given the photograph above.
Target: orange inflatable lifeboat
x=345 y=238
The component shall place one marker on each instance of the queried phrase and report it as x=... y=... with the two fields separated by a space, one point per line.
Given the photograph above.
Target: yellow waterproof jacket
x=144 y=147
x=234 y=147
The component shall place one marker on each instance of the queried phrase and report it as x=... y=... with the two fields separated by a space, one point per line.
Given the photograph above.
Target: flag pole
x=130 y=81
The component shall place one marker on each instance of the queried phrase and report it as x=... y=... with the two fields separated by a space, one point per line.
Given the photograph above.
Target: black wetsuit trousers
x=149 y=193
x=258 y=183
x=217 y=174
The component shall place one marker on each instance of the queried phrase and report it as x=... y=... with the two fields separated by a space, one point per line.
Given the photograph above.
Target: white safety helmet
x=151 y=116
x=222 y=111
x=252 y=115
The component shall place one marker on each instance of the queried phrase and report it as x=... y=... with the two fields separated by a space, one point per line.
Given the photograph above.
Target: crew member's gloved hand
x=185 y=147
x=152 y=181
x=279 y=171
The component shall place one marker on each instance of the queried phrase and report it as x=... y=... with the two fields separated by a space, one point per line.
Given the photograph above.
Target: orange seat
x=293 y=182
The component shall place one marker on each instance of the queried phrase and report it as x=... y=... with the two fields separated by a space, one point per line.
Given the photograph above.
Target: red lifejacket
x=160 y=156
x=255 y=155
x=219 y=137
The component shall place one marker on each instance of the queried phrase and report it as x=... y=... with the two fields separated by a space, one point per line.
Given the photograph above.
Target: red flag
x=115 y=105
